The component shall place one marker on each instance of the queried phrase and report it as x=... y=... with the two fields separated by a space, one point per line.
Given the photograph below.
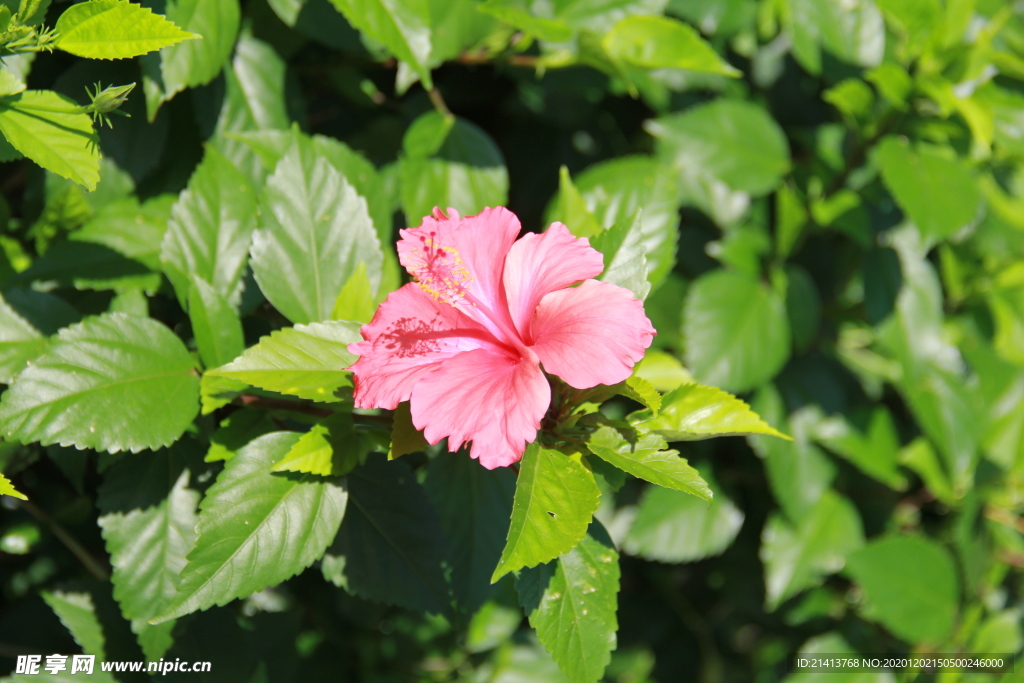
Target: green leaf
x=910 y=584
x=148 y=516
x=405 y=438
x=114 y=29
x=20 y=342
x=194 y=62
x=572 y=602
x=356 y=301
x=402 y=26
x=50 y=130
x=314 y=231
x=308 y=361
x=854 y=32
x=625 y=263
x=672 y=526
x=450 y=162
x=614 y=190
x=737 y=334
x=797 y=557
x=389 y=548
x=641 y=391
x=874 y=450
x=332 y=448
x=663 y=371
x=85 y=265
x=935 y=190
x=256 y=528
x=640 y=454
x=216 y=326
x=653 y=42
x=66 y=395
x=210 y=230
x=78 y=614
x=550 y=30
x=133 y=230
x=571 y=209
x=556 y=496
x=236 y=430
x=693 y=412
x=7 y=488
x=729 y=141
x=474 y=505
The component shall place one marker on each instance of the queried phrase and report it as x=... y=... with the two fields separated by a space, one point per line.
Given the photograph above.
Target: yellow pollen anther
x=440 y=272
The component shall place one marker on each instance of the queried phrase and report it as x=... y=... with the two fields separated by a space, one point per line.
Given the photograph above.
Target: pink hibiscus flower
x=465 y=343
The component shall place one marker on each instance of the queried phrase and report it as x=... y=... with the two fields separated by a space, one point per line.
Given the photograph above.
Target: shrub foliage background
x=831 y=224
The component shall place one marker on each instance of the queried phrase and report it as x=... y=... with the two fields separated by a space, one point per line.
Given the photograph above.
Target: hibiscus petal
x=468 y=253
x=409 y=335
x=496 y=400
x=540 y=264
x=592 y=334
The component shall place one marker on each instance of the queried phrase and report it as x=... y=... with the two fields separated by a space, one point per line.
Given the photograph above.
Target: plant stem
x=439 y=103
x=76 y=548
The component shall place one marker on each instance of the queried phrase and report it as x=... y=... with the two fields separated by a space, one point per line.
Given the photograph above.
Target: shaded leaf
x=216 y=326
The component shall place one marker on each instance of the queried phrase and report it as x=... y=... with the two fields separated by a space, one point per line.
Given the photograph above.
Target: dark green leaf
x=389 y=548
x=216 y=326
x=474 y=504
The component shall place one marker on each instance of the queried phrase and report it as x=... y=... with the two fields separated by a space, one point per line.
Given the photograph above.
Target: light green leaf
x=653 y=42
x=936 y=191
x=132 y=230
x=474 y=505
x=405 y=438
x=662 y=370
x=854 y=32
x=256 y=528
x=550 y=30
x=571 y=209
x=731 y=141
x=62 y=141
x=641 y=391
x=67 y=395
x=572 y=603
x=402 y=26
x=671 y=526
x=314 y=231
x=640 y=454
x=7 y=488
x=20 y=342
x=389 y=548
x=210 y=230
x=737 y=333
x=308 y=361
x=78 y=614
x=614 y=190
x=114 y=29
x=331 y=448
x=875 y=450
x=556 y=496
x=693 y=412
x=215 y=391
x=625 y=264
x=194 y=62
x=450 y=162
x=910 y=584
x=148 y=516
x=215 y=324
x=798 y=557
x=356 y=301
